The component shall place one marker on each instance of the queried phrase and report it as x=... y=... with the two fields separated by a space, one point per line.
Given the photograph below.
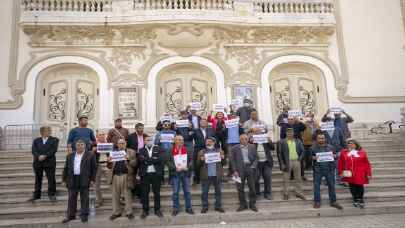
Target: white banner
x=195 y=106
x=324 y=156
x=336 y=110
x=180 y=161
x=328 y=126
x=237 y=103
x=166 y=117
x=218 y=108
x=260 y=139
x=295 y=113
x=104 y=148
x=212 y=157
x=118 y=155
x=182 y=123
x=232 y=123
x=166 y=138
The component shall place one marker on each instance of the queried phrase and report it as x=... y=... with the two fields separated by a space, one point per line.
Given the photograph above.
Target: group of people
x=195 y=150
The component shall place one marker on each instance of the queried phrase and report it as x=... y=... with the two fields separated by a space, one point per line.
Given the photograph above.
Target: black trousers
x=84 y=199
x=146 y=181
x=357 y=192
x=248 y=175
x=39 y=169
x=196 y=168
x=264 y=169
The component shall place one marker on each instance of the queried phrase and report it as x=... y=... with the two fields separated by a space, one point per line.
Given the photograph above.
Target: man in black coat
x=151 y=164
x=43 y=151
x=79 y=174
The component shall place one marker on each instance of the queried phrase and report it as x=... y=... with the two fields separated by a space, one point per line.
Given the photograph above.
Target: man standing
x=82 y=132
x=244 y=111
x=211 y=174
x=194 y=118
x=339 y=121
x=200 y=135
x=136 y=139
x=244 y=161
x=186 y=131
x=324 y=155
x=79 y=174
x=151 y=165
x=122 y=180
x=164 y=139
x=290 y=152
x=43 y=152
x=116 y=133
x=179 y=165
x=282 y=118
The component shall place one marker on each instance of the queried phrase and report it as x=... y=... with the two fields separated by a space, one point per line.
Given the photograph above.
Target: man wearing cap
x=211 y=174
x=81 y=132
x=164 y=139
x=118 y=132
x=244 y=111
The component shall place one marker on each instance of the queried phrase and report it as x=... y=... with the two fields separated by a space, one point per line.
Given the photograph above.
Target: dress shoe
x=336 y=205
x=52 y=198
x=189 y=211
x=204 y=210
x=254 y=208
x=99 y=204
x=144 y=215
x=285 y=197
x=317 y=205
x=66 y=220
x=84 y=219
x=268 y=197
x=304 y=178
x=301 y=196
x=175 y=212
x=130 y=216
x=113 y=217
x=220 y=209
x=159 y=214
x=241 y=208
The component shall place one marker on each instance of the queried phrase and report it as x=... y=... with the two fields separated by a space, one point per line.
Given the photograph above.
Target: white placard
x=166 y=117
x=167 y=138
x=218 y=108
x=195 y=106
x=336 y=110
x=237 y=179
x=324 y=156
x=118 y=155
x=237 y=103
x=182 y=123
x=260 y=139
x=232 y=123
x=180 y=161
x=259 y=126
x=212 y=157
x=285 y=120
x=328 y=126
x=104 y=148
x=295 y=113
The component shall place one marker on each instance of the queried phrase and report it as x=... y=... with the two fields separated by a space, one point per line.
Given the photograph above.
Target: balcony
x=256 y=12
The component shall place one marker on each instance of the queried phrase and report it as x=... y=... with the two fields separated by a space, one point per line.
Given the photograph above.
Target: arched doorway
x=298 y=86
x=67 y=91
x=180 y=84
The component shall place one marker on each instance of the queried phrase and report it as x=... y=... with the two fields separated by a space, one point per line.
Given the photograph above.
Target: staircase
x=385 y=194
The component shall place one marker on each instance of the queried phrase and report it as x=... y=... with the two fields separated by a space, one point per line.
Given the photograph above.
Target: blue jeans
x=329 y=173
x=205 y=187
x=183 y=179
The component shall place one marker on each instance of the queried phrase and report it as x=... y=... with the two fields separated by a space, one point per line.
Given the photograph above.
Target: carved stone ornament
x=123 y=57
x=247 y=57
x=126 y=81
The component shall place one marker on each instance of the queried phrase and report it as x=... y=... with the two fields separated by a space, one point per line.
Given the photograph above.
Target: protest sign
x=118 y=155
x=182 y=123
x=167 y=138
x=336 y=110
x=232 y=123
x=104 y=148
x=328 y=126
x=180 y=161
x=260 y=139
x=195 y=106
x=212 y=157
x=295 y=113
x=218 y=108
x=324 y=156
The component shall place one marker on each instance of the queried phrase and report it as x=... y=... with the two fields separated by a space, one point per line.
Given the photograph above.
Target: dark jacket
x=131 y=165
x=199 y=140
x=133 y=141
x=88 y=169
x=204 y=167
x=190 y=118
x=283 y=153
x=244 y=113
x=157 y=160
x=298 y=129
x=237 y=158
x=316 y=148
x=48 y=149
x=172 y=166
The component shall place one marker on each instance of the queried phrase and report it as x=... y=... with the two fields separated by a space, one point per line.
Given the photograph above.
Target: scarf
x=176 y=151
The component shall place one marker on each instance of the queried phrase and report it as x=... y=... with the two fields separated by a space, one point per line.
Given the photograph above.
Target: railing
x=293 y=6
x=20 y=137
x=183 y=4
x=67 y=5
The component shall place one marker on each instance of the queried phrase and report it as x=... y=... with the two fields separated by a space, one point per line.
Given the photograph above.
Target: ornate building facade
x=140 y=58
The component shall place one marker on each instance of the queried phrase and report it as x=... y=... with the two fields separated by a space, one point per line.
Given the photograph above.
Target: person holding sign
x=151 y=164
x=101 y=149
x=290 y=152
x=200 y=135
x=324 y=165
x=193 y=117
x=218 y=124
x=179 y=165
x=211 y=174
x=294 y=123
x=78 y=175
x=244 y=112
x=244 y=161
x=355 y=169
x=232 y=138
x=185 y=129
x=339 y=121
x=164 y=139
x=122 y=164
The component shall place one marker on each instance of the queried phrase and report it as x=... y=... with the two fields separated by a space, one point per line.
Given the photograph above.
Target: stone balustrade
x=293 y=6
x=67 y=5
x=183 y=4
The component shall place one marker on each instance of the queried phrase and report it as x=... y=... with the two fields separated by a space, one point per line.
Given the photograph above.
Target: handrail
x=67 y=5
x=293 y=6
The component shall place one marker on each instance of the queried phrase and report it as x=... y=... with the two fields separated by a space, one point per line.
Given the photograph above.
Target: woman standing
x=355 y=169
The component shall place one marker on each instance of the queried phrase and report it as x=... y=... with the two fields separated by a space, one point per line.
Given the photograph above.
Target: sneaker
x=336 y=205
x=204 y=210
x=285 y=197
x=317 y=205
x=175 y=212
x=241 y=208
x=130 y=216
x=254 y=208
x=220 y=210
x=189 y=211
x=362 y=205
x=268 y=197
x=301 y=196
x=66 y=220
x=113 y=217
